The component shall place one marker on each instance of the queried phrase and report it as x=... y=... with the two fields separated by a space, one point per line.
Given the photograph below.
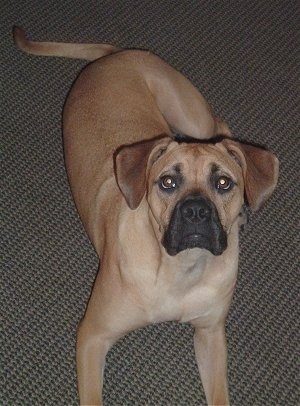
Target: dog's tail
x=89 y=52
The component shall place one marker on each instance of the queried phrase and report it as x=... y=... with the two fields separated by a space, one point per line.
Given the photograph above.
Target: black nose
x=195 y=210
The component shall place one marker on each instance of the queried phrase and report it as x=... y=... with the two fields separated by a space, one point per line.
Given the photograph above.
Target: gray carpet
x=242 y=55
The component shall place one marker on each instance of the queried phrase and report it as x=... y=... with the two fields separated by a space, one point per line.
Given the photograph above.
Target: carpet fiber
x=242 y=56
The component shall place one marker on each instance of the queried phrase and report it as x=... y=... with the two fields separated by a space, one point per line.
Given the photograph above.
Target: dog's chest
x=195 y=292
x=198 y=303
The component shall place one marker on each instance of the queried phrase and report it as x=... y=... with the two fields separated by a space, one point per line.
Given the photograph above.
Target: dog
x=163 y=213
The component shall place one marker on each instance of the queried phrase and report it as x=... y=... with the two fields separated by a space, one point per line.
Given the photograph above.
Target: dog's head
x=195 y=190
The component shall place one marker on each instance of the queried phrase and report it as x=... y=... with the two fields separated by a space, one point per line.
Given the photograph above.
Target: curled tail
x=89 y=52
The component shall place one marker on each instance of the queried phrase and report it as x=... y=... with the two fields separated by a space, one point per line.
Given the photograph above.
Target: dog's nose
x=195 y=210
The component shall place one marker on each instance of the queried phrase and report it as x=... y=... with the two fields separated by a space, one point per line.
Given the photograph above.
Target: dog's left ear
x=260 y=171
x=131 y=167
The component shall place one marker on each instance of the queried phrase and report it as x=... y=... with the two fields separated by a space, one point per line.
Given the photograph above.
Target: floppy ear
x=131 y=167
x=260 y=171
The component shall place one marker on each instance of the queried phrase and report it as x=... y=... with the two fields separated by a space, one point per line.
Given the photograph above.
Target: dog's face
x=195 y=191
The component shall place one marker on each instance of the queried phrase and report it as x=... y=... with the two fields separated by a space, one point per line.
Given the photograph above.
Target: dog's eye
x=167 y=182
x=224 y=184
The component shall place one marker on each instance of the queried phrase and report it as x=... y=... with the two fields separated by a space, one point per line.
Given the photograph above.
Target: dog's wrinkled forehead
x=193 y=159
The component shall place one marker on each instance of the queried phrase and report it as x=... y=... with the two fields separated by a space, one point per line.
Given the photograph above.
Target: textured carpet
x=242 y=55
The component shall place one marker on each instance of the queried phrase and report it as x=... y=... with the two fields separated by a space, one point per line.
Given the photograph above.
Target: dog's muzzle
x=195 y=224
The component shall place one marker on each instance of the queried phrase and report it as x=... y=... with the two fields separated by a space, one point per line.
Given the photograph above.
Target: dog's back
x=182 y=105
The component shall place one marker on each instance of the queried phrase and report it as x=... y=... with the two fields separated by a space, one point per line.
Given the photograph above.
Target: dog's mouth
x=216 y=247
x=193 y=237
x=193 y=240
x=195 y=224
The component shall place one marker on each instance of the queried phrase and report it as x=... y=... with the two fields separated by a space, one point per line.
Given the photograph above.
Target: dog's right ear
x=260 y=171
x=130 y=163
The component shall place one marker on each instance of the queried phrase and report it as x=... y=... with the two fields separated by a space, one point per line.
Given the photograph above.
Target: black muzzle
x=195 y=224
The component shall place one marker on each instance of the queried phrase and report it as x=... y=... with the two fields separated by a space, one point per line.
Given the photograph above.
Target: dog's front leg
x=94 y=339
x=91 y=351
x=211 y=354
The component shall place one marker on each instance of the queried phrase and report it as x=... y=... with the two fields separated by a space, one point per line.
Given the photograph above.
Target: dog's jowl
x=163 y=215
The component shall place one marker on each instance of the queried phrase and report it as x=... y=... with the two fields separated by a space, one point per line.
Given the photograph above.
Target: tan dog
x=163 y=215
